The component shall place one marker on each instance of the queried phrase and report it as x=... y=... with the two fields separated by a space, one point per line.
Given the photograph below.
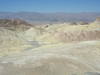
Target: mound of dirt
x=14 y=24
x=78 y=36
x=11 y=41
x=97 y=21
x=67 y=33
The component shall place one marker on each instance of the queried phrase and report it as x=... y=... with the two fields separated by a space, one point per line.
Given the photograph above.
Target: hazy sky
x=50 y=5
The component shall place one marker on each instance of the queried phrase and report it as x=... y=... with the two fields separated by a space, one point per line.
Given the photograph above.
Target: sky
x=50 y=5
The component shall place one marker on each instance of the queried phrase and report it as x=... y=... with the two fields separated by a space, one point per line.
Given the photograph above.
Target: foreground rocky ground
x=61 y=59
x=50 y=50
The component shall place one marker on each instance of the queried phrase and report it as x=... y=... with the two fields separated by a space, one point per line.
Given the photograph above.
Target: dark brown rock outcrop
x=14 y=24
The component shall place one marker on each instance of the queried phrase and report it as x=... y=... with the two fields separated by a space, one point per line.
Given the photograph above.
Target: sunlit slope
x=59 y=59
x=16 y=41
x=58 y=49
x=11 y=41
x=67 y=33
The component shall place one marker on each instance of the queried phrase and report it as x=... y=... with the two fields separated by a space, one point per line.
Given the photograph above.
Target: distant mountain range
x=35 y=17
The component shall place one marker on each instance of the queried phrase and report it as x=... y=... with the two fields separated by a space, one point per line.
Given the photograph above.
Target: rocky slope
x=14 y=24
x=58 y=49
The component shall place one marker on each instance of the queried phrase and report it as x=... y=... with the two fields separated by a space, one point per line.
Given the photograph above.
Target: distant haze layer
x=36 y=17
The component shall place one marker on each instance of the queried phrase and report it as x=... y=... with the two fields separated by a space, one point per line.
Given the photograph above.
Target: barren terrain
x=58 y=49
